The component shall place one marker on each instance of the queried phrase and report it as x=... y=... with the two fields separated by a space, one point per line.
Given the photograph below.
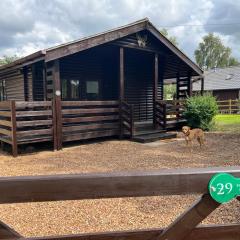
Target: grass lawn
x=227 y=122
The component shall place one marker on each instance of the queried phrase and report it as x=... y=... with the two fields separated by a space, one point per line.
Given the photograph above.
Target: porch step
x=153 y=137
x=149 y=131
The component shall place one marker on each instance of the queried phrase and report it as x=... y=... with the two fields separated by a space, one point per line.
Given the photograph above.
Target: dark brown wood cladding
x=99 y=64
x=139 y=82
x=226 y=94
x=173 y=64
x=18 y=84
x=14 y=85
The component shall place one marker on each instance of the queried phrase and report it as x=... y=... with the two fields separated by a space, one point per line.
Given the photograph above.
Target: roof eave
x=172 y=47
x=95 y=40
x=26 y=59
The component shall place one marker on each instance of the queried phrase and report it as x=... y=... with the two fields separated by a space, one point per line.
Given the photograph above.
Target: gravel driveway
x=38 y=219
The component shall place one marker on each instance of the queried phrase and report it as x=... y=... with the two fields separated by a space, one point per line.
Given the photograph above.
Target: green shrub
x=200 y=111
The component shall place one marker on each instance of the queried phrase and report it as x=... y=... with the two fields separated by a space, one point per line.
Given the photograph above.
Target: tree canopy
x=7 y=59
x=212 y=53
x=172 y=39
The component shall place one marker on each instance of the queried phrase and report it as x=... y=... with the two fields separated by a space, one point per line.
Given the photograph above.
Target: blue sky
x=29 y=25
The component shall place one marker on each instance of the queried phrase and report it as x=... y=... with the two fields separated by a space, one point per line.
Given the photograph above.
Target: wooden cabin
x=109 y=84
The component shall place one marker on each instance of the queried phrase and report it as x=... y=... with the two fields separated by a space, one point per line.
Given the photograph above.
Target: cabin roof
x=220 y=79
x=72 y=47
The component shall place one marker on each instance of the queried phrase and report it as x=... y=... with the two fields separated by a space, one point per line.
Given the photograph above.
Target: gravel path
x=38 y=219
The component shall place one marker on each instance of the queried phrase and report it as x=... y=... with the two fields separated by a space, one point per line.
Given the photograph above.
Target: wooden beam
x=108 y=185
x=212 y=232
x=189 y=84
x=26 y=61
x=26 y=85
x=96 y=40
x=57 y=106
x=14 y=129
x=202 y=85
x=8 y=233
x=173 y=48
x=121 y=78
x=155 y=88
x=185 y=223
x=121 y=90
x=177 y=85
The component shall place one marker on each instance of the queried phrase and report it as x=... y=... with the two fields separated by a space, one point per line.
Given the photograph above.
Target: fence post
x=230 y=106
x=14 y=128
x=57 y=106
x=54 y=122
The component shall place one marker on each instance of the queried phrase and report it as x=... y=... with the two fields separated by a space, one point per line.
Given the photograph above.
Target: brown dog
x=191 y=134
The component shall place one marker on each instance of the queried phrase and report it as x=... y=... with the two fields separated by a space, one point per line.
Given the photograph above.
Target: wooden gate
x=126 y=184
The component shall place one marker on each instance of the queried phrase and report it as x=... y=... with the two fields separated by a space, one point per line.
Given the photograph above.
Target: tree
x=172 y=39
x=7 y=59
x=212 y=53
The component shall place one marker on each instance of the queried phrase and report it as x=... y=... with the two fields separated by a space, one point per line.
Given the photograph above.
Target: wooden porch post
x=121 y=89
x=57 y=108
x=202 y=85
x=155 y=89
x=177 y=81
x=189 y=84
x=26 y=85
x=14 y=128
x=121 y=85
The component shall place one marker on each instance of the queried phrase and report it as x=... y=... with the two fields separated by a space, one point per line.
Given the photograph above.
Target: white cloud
x=30 y=25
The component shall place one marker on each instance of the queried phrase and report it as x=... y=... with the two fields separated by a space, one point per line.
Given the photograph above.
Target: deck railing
x=126 y=184
x=169 y=113
x=31 y=122
x=8 y=124
x=89 y=119
x=34 y=121
x=25 y=122
x=127 y=119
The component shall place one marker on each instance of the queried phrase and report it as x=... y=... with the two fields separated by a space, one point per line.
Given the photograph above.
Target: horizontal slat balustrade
x=168 y=113
x=6 y=124
x=34 y=122
x=89 y=119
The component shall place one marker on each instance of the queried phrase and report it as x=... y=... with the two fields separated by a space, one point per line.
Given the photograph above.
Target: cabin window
x=70 y=89
x=92 y=90
x=64 y=89
x=2 y=90
x=75 y=89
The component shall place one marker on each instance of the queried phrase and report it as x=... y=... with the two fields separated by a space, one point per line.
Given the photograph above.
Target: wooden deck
x=44 y=121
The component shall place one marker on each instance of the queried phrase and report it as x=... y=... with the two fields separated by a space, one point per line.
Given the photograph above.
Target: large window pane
x=92 y=90
x=64 y=89
x=74 y=89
